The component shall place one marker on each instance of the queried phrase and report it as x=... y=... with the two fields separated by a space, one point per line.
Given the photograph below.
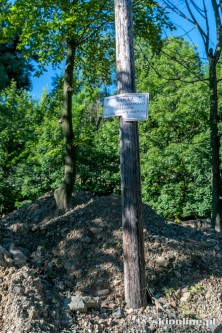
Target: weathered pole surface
x=133 y=244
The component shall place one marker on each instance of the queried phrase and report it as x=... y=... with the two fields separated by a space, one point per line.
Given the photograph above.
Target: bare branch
x=219 y=29
x=191 y=18
x=198 y=9
x=198 y=78
x=186 y=66
x=83 y=38
x=195 y=22
x=207 y=26
x=177 y=11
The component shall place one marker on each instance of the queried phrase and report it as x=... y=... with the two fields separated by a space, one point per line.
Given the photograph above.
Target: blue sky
x=44 y=81
x=188 y=31
x=184 y=29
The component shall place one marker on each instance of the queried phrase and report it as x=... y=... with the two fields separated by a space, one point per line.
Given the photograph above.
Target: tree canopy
x=13 y=66
x=175 y=145
x=174 y=142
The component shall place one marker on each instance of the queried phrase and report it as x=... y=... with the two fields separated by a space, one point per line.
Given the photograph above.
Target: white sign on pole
x=131 y=107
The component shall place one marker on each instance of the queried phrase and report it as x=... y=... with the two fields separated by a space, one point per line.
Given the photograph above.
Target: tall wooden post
x=133 y=245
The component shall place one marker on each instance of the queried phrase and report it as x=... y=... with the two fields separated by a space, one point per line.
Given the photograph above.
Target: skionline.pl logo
x=185 y=322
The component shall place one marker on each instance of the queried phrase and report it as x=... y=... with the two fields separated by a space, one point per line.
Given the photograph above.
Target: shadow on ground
x=82 y=250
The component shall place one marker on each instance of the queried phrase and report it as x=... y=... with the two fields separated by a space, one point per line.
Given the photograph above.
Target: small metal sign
x=132 y=107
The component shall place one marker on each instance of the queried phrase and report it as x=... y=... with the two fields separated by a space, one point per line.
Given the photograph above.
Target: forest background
x=174 y=142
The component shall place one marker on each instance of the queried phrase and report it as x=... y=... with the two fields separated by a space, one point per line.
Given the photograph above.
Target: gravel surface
x=65 y=274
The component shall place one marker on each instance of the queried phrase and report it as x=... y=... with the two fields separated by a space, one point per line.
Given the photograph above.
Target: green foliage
x=49 y=25
x=13 y=67
x=12 y=64
x=41 y=169
x=17 y=128
x=32 y=151
x=175 y=144
x=169 y=292
x=196 y=288
x=98 y=153
x=150 y=19
x=30 y=147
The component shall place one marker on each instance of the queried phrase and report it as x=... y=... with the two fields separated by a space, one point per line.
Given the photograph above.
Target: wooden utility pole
x=133 y=244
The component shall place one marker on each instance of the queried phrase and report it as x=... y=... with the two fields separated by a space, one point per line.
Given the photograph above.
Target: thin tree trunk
x=64 y=193
x=133 y=244
x=213 y=57
x=215 y=149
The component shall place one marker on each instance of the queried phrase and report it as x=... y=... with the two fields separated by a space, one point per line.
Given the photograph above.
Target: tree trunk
x=215 y=149
x=64 y=193
x=133 y=244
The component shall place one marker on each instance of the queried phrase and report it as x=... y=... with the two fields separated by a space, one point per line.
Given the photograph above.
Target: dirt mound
x=50 y=267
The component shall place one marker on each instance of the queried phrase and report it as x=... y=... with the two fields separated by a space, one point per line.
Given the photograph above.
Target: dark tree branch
x=176 y=10
x=195 y=22
x=186 y=66
x=219 y=30
x=207 y=24
x=198 y=9
x=199 y=79
x=82 y=38
x=205 y=35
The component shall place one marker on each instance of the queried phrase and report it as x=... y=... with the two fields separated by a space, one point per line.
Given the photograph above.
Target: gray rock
x=70 y=265
x=64 y=230
x=77 y=304
x=116 y=282
x=18 y=255
x=103 y=292
x=3 y=251
x=59 y=285
x=82 y=303
x=20 y=263
x=186 y=297
x=99 y=237
x=129 y=311
x=95 y=230
x=218 y=329
x=37 y=283
x=78 y=293
x=24 y=302
x=3 y=262
x=118 y=313
x=177 y=274
x=91 y=302
x=108 y=304
x=162 y=262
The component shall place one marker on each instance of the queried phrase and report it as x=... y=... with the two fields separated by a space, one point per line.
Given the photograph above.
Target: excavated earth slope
x=65 y=274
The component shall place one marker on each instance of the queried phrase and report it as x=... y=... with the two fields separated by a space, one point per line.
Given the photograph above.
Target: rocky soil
x=65 y=274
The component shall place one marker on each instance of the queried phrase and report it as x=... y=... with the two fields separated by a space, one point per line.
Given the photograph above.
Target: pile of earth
x=65 y=274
